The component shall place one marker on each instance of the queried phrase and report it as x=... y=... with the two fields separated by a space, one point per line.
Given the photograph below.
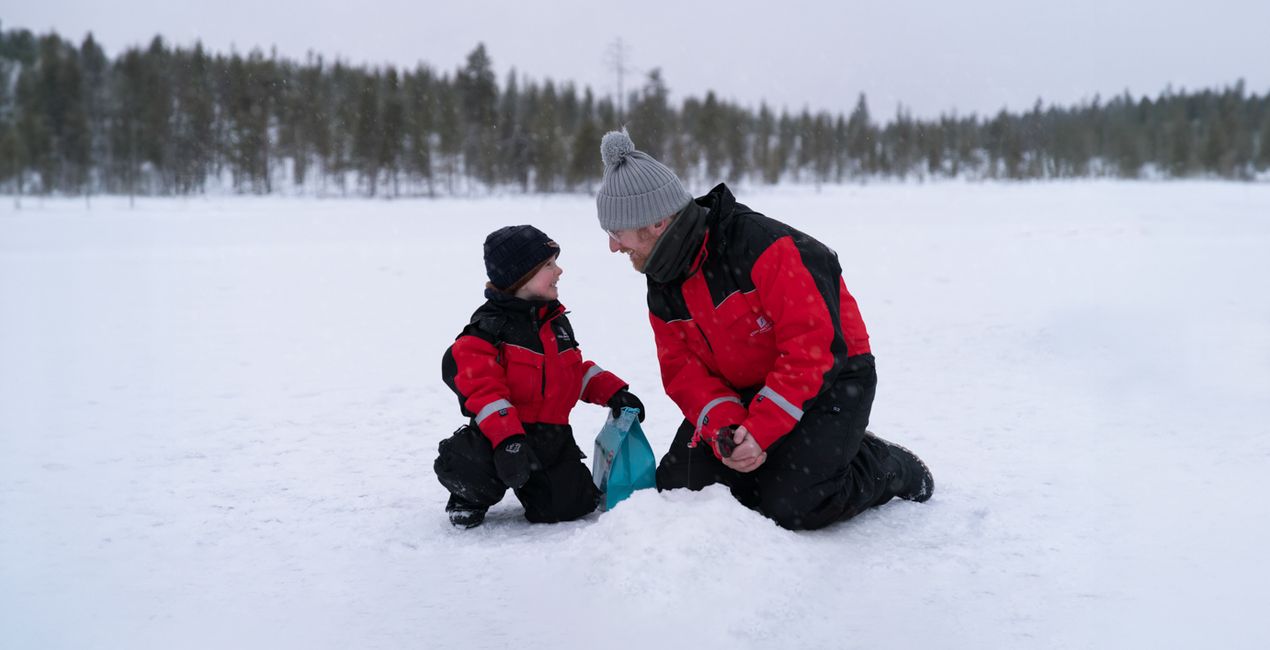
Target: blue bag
x=623 y=460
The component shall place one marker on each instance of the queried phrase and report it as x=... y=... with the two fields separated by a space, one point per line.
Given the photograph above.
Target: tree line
x=163 y=120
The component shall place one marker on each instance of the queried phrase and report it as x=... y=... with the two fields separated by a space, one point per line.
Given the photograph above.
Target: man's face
x=637 y=243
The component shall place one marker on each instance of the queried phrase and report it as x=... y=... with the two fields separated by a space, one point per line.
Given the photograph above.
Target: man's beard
x=638 y=261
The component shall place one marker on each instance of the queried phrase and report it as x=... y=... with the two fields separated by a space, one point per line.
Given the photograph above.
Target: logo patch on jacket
x=764 y=325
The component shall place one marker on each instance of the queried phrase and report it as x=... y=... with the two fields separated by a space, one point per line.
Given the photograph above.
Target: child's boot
x=464 y=515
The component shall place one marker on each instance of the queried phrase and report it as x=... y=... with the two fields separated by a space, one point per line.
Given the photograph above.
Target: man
x=761 y=347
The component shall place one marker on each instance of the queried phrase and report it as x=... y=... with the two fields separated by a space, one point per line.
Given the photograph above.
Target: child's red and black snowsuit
x=517 y=368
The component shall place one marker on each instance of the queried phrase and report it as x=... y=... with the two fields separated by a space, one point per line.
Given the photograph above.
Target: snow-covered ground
x=218 y=419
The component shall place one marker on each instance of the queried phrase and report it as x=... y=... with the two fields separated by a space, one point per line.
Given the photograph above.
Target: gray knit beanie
x=637 y=190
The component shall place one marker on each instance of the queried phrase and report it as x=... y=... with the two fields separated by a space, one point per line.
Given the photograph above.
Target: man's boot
x=911 y=480
x=464 y=515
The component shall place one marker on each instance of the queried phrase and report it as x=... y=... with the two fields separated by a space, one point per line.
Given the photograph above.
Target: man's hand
x=747 y=456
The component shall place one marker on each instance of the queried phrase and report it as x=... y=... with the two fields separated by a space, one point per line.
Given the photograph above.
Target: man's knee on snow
x=671 y=477
x=785 y=516
x=805 y=510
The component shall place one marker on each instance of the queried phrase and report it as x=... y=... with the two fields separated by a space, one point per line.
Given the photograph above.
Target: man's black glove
x=514 y=460
x=625 y=398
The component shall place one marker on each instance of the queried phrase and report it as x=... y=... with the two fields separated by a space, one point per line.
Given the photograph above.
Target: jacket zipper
x=542 y=382
x=703 y=336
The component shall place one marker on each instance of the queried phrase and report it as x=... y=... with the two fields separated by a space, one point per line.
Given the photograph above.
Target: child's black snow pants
x=560 y=490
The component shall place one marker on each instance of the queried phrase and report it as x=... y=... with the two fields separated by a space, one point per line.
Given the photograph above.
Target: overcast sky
x=936 y=56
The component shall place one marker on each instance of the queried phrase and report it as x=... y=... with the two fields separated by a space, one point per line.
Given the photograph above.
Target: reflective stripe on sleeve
x=586 y=379
x=492 y=408
x=793 y=411
x=701 y=419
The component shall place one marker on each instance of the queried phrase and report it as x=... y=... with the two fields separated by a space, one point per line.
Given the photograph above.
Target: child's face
x=543 y=285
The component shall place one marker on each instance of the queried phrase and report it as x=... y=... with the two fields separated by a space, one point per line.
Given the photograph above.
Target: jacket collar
x=681 y=249
x=533 y=309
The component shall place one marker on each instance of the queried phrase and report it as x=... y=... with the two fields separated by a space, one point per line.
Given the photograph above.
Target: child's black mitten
x=622 y=398
x=514 y=460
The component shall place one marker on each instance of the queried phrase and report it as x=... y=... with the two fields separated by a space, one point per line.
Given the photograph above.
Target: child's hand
x=514 y=460
x=623 y=398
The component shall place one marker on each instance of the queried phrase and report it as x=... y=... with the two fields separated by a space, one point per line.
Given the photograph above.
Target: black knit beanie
x=514 y=253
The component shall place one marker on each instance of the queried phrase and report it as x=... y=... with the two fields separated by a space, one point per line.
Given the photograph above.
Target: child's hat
x=514 y=253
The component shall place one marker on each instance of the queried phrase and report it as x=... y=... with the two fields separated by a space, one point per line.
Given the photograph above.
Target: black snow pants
x=825 y=470
x=560 y=489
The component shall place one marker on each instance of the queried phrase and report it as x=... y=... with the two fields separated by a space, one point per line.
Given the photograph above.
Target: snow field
x=218 y=419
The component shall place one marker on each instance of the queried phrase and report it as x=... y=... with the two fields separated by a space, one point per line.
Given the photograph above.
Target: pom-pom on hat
x=514 y=253
x=637 y=190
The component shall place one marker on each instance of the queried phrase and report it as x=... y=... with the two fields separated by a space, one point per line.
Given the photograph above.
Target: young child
x=518 y=372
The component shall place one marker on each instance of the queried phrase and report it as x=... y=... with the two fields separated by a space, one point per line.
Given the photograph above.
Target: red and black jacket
x=517 y=363
x=741 y=303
